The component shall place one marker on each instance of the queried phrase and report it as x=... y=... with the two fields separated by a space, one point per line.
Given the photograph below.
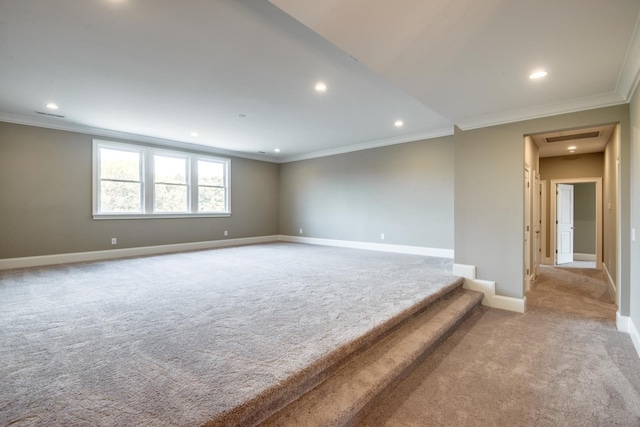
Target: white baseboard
x=488 y=288
x=384 y=247
x=622 y=322
x=584 y=257
x=626 y=324
x=635 y=336
x=466 y=271
x=610 y=280
x=35 y=261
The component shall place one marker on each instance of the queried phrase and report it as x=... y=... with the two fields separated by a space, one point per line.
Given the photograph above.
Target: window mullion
x=194 y=187
x=149 y=190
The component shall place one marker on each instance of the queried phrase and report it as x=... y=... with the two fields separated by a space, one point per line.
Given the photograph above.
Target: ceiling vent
x=43 y=113
x=562 y=138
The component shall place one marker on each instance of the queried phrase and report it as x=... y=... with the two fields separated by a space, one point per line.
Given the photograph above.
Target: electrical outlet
x=301 y=231
x=381 y=236
x=114 y=241
x=226 y=233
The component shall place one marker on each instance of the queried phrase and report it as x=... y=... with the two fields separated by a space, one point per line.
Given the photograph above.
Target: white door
x=564 y=223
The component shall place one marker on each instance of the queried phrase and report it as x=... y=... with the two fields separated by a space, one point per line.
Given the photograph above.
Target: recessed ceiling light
x=398 y=123
x=195 y=134
x=573 y=147
x=277 y=150
x=537 y=74
x=321 y=87
x=52 y=106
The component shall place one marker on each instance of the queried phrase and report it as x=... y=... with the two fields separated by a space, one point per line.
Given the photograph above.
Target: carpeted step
x=274 y=399
x=347 y=396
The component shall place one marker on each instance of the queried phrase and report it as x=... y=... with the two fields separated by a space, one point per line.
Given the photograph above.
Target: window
x=134 y=181
x=170 y=185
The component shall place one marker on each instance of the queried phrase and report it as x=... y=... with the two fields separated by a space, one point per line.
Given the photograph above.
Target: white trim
x=436 y=133
x=488 y=288
x=130 y=137
x=100 y=217
x=635 y=337
x=536 y=112
x=626 y=324
x=552 y=215
x=610 y=279
x=527 y=230
x=584 y=257
x=530 y=280
x=622 y=322
x=128 y=252
x=629 y=74
x=466 y=271
x=544 y=259
x=384 y=247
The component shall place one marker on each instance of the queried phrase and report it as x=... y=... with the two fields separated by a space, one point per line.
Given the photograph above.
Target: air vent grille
x=572 y=137
x=43 y=113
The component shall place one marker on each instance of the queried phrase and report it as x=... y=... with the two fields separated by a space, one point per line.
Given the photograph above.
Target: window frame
x=147 y=176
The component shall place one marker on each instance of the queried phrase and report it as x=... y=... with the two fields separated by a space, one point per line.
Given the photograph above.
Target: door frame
x=544 y=227
x=552 y=215
x=528 y=267
x=537 y=224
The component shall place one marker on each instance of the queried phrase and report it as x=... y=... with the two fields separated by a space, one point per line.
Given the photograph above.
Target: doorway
x=563 y=223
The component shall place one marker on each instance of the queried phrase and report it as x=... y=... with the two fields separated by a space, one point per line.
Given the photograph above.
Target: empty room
x=270 y=212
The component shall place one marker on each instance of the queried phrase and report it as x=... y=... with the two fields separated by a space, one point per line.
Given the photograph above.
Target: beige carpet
x=563 y=363
x=181 y=339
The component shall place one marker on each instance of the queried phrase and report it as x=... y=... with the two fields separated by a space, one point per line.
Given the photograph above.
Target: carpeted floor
x=179 y=339
x=563 y=363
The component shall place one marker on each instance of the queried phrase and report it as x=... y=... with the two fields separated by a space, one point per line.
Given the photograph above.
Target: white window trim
x=148 y=193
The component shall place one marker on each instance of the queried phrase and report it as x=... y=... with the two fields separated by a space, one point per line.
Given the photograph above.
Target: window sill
x=160 y=216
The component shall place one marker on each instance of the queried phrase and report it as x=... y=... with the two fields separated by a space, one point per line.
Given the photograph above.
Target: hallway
x=561 y=363
x=567 y=290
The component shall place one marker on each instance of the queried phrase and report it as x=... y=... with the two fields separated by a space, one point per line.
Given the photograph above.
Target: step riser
x=363 y=380
x=272 y=402
x=357 y=417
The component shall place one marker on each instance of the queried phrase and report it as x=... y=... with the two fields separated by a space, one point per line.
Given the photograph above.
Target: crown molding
x=436 y=133
x=106 y=133
x=630 y=72
x=536 y=112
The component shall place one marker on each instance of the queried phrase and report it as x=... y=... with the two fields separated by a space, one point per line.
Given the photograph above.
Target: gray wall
x=635 y=209
x=404 y=191
x=489 y=195
x=489 y=205
x=45 y=200
x=584 y=236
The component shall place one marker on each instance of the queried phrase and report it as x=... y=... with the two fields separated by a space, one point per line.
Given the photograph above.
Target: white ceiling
x=160 y=69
